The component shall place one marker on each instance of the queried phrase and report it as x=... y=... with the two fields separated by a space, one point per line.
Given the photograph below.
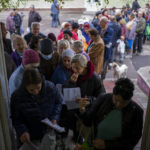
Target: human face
x=77 y=68
x=103 y=24
x=119 y=102
x=34 y=89
x=66 y=37
x=140 y=14
x=20 y=46
x=36 y=30
x=67 y=62
x=4 y=31
x=32 y=66
x=62 y=48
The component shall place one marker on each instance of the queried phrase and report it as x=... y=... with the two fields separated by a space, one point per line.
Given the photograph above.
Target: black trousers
x=137 y=44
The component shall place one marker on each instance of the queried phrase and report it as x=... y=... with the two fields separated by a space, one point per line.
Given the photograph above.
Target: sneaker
x=128 y=56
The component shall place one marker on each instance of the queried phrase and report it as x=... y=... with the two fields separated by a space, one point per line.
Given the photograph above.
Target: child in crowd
x=121 y=48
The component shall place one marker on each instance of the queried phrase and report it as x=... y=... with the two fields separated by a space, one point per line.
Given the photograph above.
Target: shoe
x=128 y=56
x=138 y=54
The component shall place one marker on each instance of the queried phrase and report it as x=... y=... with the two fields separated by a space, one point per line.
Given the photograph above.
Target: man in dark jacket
x=116 y=36
x=33 y=16
x=118 y=120
x=18 y=21
x=35 y=30
x=135 y=5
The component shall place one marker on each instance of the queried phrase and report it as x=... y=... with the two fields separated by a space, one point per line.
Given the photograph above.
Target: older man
x=140 y=27
x=33 y=16
x=106 y=34
x=35 y=30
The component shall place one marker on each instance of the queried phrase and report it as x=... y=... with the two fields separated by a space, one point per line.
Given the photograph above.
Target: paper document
x=54 y=126
x=70 y=96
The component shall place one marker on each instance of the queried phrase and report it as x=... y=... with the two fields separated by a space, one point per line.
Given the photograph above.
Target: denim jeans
x=137 y=45
x=55 y=20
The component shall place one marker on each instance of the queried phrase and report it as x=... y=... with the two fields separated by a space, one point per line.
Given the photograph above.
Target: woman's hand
x=83 y=102
x=25 y=137
x=99 y=144
x=54 y=121
x=74 y=77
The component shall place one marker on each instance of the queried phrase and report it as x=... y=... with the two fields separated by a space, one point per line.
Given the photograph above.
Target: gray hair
x=81 y=59
x=35 y=24
x=63 y=42
x=105 y=19
x=78 y=45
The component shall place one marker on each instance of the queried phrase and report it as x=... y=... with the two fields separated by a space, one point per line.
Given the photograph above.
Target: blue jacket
x=117 y=32
x=55 y=8
x=60 y=75
x=108 y=36
x=27 y=111
x=16 y=79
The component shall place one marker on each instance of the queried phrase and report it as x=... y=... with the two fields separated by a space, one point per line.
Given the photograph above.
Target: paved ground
x=133 y=64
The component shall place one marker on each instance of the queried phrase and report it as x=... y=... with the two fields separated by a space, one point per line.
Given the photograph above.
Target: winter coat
x=74 y=36
x=17 y=20
x=132 y=122
x=7 y=46
x=27 y=110
x=47 y=67
x=86 y=36
x=55 y=7
x=10 y=25
x=90 y=84
x=135 y=6
x=16 y=79
x=131 y=33
x=123 y=30
x=16 y=58
x=60 y=75
x=117 y=32
x=34 y=17
x=96 y=54
x=140 y=27
x=108 y=36
x=10 y=65
x=28 y=36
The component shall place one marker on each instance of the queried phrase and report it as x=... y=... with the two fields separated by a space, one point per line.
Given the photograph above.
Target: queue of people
x=78 y=58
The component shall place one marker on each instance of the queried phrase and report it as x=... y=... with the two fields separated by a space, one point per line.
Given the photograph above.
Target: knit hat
x=68 y=53
x=68 y=32
x=51 y=36
x=30 y=57
x=46 y=46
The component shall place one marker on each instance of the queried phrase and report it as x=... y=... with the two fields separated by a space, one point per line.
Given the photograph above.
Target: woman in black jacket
x=84 y=77
x=118 y=120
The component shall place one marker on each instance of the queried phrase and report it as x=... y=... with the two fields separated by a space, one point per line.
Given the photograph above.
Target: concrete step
x=144 y=79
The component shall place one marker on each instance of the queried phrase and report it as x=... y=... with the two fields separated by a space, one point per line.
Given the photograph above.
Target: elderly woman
x=84 y=77
x=78 y=48
x=96 y=50
x=118 y=120
x=19 y=45
x=63 y=71
x=35 y=100
x=62 y=46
